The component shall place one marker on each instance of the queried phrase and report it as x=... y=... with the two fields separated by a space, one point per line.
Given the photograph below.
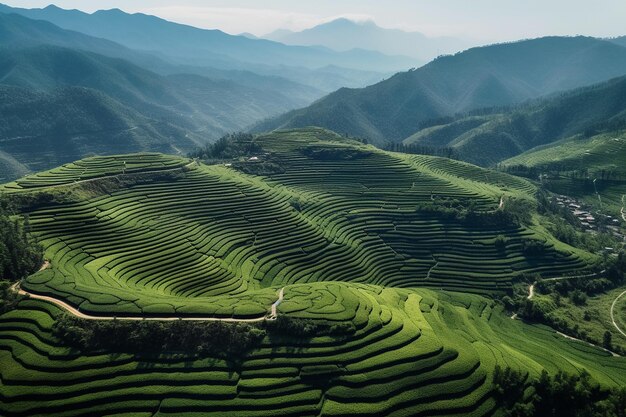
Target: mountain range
x=186 y=45
x=345 y=34
x=491 y=138
x=43 y=129
x=496 y=75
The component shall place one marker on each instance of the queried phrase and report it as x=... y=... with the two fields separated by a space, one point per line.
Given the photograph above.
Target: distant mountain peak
x=347 y=33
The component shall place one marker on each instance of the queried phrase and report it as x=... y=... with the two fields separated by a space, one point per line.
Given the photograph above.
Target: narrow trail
x=531 y=288
x=271 y=315
x=613 y=313
x=622 y=212
x=431 y=269
x=588 y=343
x=531 y=292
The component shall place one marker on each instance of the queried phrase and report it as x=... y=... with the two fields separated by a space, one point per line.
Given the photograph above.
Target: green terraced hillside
x=413 y=352
x=342 y=230
x=572 y=164
x=337 y=211
x=602 y=152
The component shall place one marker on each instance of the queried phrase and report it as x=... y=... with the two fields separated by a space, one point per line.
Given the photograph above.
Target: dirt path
x=431 y=269
x=588 y=343
x=272 y=315
x=613 y=314
x=531 y=289
x=622 y=212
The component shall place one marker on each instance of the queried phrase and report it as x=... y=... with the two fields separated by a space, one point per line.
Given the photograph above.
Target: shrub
x=215 y=339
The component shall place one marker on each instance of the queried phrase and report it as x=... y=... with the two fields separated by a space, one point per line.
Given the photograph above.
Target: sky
x=479 y=20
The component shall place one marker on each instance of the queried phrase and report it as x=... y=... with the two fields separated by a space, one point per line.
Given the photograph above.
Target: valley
x=329 y=209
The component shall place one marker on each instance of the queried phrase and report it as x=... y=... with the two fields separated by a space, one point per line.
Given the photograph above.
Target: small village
x=592 y=222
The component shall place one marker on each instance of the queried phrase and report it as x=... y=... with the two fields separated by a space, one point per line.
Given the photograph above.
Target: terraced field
x=339 y=228
x=597 y=156
x=164 y=246
x=413 y=352
x=605 y=151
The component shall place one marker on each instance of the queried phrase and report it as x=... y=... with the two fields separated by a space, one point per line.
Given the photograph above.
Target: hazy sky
x=485 y=20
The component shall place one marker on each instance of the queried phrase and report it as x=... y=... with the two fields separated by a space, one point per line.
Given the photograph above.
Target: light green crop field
x=605 y=152
x=337 y=229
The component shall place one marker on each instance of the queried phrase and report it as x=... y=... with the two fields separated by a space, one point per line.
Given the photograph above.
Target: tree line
x=20 y=255
x=561 y=395
x=232 y=145
x=565 y=170
x=416 y=149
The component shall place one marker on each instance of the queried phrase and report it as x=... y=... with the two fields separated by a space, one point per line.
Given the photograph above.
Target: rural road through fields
x=272 y=315
x=613 y=314
x=531 y=294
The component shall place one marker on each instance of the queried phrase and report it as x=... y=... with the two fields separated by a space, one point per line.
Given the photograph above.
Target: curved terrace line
x=272 y=314
x=154 y=171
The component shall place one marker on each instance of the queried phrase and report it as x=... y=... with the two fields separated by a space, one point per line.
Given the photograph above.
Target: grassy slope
x=486 y=140
x=414 y=352
x=210 y=240
x=601 y=152
x=598 y=307
x=604 y=152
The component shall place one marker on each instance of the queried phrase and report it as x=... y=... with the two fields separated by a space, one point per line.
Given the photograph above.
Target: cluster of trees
x=306 y=328
x=566 y=169
x=416 y=149
x=514 y=214
x=20 y=255
x=205 y=339
x=335 y=153
x=611 y=125
x=214 y=339
x=555 y=396
x=546 y=309
x=233 y=145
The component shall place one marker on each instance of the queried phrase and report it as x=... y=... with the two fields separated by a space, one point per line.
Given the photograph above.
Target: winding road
x=613 y=314
x=531 y=294
x=271 y=315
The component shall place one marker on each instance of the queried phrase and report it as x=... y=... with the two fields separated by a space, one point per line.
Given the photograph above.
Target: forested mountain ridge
x=491 y=138
x=43 y=129
x=194 y=46
x=497 y=75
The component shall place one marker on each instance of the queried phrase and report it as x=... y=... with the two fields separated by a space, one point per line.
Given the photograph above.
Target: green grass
x=598 y=309
x=414 y=351
x=601 y=152
x=339 y=230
